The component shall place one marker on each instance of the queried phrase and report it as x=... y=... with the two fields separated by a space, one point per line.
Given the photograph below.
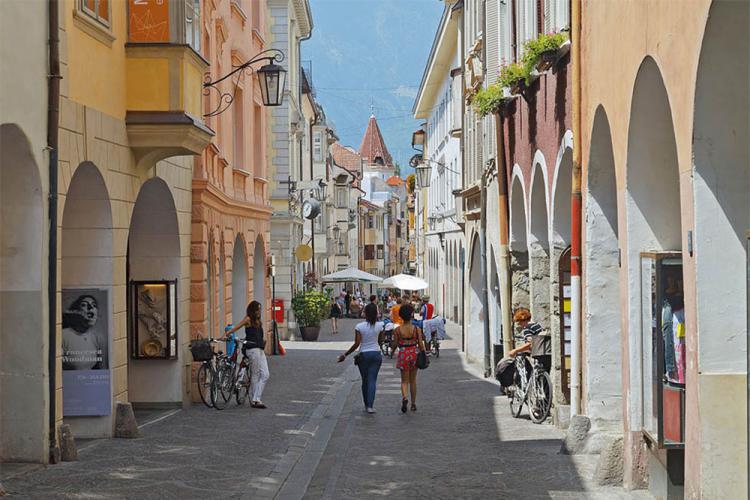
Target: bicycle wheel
x=218 y=384
x=203 y=380
x=243 y=388
x=518 y=398
x=542 y=401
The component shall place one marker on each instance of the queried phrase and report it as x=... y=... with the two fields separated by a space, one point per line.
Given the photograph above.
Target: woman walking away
x=366 y=337
x=253 y=349
x=408 y=338
x=335 y=315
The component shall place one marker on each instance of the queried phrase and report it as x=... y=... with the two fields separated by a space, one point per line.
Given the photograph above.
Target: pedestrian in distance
x=367 y=337
x=409 y=339
x=252 y=348
x=348 y=302
x=335 y=315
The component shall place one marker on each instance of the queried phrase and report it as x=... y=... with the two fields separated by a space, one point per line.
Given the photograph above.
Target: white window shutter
x=491 y=37
x=550 y=15
x=504 y=48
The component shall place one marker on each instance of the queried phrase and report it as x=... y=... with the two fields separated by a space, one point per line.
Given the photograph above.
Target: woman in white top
x=367 y=338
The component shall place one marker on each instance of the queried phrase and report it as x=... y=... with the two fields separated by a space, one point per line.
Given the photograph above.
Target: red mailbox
x=278 y=310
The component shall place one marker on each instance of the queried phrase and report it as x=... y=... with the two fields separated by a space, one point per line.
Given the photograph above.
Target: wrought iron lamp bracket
x=227 y=98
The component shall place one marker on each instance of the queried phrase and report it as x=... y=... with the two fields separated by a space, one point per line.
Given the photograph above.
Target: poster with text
x=85 y=352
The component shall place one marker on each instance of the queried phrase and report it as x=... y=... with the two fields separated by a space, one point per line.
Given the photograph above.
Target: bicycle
x=434 y=345
x=531 y=386
x=203 y=352
x=231 y=379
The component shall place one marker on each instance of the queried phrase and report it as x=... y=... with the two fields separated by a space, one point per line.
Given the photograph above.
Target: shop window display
x=154 y=319
x=663 y=343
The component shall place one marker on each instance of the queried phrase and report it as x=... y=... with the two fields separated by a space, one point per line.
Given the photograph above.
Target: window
x=193 y=24
x=369 y=252
x=255 y=14
x=370 y=222
x=239 y=133
x=317 y=150
x=97 y=9
x=258 y=143
x=340 y=197
x=380 y=251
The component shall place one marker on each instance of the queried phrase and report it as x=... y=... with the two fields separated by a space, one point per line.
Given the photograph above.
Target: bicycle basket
x=201 y=350
x=541 y=345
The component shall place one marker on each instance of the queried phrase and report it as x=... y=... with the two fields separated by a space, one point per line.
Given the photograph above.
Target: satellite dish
x=303 y=253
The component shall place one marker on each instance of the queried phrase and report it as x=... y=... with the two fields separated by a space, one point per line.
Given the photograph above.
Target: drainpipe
x=483 y=268
x=504 y=271
x=461 y=259
x=53 y=115
x=575 y=214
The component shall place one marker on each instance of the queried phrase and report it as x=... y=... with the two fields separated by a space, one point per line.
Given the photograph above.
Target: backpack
x=505 y=371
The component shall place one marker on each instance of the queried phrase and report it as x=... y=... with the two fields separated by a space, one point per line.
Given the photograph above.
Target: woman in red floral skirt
x=408 y=338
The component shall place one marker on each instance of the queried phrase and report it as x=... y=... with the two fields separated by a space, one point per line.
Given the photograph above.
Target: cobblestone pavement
x=316 y=442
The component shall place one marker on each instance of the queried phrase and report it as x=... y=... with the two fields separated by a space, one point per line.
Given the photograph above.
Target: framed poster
x=153 y=306
x=85 y=352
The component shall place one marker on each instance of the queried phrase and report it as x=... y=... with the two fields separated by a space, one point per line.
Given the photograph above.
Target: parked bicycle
x=233 y=377
x=202 y=351
x=531 y=386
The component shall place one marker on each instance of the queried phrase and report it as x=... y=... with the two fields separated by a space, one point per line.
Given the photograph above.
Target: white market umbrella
x=350 y=274
x=404 y=282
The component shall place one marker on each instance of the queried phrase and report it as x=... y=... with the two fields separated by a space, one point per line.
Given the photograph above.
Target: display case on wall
x=153 y=320
x=663 y=344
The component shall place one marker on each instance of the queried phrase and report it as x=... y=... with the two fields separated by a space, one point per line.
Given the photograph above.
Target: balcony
x=164 y=84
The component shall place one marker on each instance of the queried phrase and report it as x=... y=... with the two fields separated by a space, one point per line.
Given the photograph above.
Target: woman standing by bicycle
x=253 y=347
x=526 y=328
x=408 y=338
x=366 y=337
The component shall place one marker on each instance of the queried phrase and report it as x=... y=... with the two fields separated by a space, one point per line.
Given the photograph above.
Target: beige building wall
x=23 y=234
x=659 y=39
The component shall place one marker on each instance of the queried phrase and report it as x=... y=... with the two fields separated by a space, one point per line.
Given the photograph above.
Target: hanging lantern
x=272 y=78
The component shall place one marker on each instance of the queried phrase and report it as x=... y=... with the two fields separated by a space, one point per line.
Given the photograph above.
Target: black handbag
x=358 y=359
x=422 y=361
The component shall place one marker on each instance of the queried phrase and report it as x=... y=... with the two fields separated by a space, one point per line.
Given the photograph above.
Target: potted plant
x=310 y=308
x=515 y=77
x=541 y=53
x=490 y=100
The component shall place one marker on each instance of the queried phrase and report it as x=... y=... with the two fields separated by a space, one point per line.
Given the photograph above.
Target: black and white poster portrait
x=85 y=329
x=85 y=352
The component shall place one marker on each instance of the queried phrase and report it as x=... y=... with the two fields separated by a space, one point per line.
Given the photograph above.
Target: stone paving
x=316 y=442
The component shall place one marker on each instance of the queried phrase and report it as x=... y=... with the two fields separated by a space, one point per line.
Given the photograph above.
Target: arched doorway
x=602 y=388
x=154 y=376
x=88 y=357
x=475 y=348
x=721 y=185
x=539 y=270
x=259 y=275
x=23 y=434
x=656 y=290
x=239 y=280
x=519 y=251
x=560 y=282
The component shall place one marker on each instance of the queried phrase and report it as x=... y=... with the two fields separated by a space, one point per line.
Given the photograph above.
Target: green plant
x=488 y=100
x=311 y=307
x=533 y=49
x=513 y=73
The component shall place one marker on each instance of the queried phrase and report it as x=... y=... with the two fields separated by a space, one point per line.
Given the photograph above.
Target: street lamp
x=271 y=77
x=423 y=172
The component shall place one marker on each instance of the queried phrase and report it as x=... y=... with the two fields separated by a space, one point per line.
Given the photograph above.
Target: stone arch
x=87 y=269
x=601 y=396
x=259 y=274
x=539 y=253
x=721 y=187
x=519 y=250
x=154 y=255
x=477 y=317
x=653 y=224
x=23 y=434
x=239 y=278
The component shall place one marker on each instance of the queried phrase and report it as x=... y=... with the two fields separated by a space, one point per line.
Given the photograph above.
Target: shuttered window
x=493 y=54
x=504 y=32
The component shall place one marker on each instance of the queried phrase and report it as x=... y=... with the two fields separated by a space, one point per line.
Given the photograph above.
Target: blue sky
x=367 y=52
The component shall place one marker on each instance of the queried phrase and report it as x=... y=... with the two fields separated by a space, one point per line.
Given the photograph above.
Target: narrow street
x=315 y=442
